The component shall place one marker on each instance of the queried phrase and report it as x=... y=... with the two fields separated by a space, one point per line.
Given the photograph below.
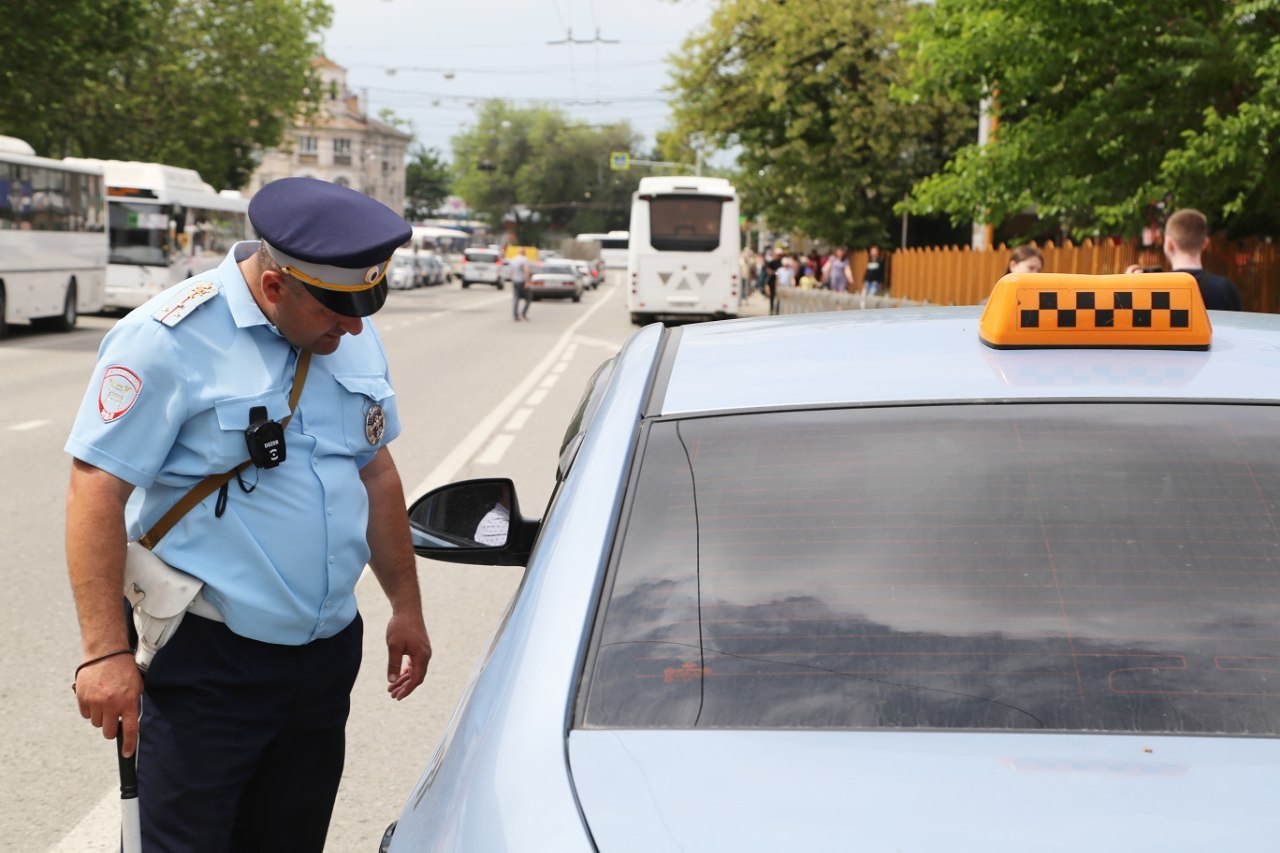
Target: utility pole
x=988 y=122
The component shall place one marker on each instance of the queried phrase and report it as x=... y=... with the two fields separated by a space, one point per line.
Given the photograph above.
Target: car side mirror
x=473 y=521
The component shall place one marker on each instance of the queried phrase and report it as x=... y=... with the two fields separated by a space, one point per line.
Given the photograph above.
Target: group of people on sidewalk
x=1185 y=239
x=777 y=269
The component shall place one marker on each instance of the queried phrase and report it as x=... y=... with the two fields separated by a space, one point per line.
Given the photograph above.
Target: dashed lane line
x=519 y=419
x=454 y=461
x=26 y=425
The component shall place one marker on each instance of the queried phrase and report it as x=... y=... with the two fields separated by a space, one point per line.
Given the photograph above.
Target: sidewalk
x=793 y=300
x=755 y=305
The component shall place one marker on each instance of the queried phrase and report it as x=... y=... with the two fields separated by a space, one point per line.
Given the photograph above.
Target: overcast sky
x=433 y=62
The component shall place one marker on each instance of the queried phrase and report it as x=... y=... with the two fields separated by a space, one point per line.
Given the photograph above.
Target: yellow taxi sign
x=1054 y=310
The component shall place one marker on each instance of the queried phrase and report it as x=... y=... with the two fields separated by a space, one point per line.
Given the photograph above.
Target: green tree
x=53 y=53
x=203 y=84
x=804 y=91
x=427 y=182
x=1106 y=106
x=538 y=161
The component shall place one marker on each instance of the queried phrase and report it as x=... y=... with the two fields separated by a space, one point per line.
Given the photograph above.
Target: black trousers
x=242 y=742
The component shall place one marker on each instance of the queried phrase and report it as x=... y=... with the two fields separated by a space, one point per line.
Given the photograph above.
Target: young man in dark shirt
x=1186 y=234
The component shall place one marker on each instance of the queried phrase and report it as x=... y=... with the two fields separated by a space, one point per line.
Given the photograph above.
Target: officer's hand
x=108 y=694
x=406 y=638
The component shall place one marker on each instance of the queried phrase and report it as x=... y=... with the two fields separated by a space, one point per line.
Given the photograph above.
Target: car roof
x=935 y=355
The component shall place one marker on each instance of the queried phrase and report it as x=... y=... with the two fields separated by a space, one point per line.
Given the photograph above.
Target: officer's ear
x=274 y=285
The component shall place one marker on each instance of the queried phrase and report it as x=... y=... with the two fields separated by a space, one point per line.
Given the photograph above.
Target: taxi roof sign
x=1054 y=310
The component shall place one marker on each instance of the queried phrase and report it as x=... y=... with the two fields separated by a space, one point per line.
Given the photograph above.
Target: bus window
x=684 y=223
x=139 y=234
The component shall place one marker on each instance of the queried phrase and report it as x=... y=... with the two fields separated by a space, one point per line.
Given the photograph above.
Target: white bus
x=682 y=262
x=53 y=238
x=167 y=224
x=613 y=248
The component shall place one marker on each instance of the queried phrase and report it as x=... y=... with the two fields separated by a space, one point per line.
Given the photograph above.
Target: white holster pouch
x=159 y=596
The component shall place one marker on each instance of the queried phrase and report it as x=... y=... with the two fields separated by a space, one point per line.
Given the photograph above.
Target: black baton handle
x=128 y=769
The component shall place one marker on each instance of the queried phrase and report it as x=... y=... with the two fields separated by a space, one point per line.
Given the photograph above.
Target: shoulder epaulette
x=187 y=301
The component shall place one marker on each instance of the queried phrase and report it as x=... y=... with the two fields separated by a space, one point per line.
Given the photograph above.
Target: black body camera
x=265 y=439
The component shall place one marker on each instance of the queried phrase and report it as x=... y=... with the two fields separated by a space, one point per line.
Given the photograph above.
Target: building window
x=342 y=152
x=308 y=149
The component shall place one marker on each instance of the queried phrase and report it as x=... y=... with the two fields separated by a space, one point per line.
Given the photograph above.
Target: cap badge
x=375 y=424
x=371 y=275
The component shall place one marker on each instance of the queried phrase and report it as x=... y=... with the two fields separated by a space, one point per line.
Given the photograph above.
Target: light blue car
x=888 y=581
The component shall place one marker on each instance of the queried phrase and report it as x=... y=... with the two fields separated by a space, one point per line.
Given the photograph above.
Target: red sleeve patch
x=119 y=391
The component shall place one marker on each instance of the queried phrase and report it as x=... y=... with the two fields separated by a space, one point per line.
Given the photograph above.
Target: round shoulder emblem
x=375 y=424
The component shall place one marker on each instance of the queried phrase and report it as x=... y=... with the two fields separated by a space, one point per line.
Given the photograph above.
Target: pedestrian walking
x=521 y=270
x=873 y=278
x=835 y=272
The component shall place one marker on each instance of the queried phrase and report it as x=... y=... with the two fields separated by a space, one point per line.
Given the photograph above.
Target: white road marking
x=493 y=454
x=449 y=467
x=28 y=425
x=97 y=832
x=597 y=342
x=518 y=420
x=549 y=381
x=536 y=397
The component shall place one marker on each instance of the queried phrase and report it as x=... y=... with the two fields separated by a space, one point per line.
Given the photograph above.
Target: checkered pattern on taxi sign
x=1059 y=311
x=1118 y=309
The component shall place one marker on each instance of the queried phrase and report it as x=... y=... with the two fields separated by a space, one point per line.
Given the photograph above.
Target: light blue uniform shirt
x=168 y=406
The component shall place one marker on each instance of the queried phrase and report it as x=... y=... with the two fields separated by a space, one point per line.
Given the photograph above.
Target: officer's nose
x=351 y=325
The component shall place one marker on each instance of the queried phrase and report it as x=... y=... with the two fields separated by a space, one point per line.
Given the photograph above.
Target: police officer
x=242 y=719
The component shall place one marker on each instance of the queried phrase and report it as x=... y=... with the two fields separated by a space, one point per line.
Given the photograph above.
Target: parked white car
x=406 y=270
x=482 y=266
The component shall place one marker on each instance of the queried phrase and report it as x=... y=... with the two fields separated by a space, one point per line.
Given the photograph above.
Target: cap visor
x=350 y=303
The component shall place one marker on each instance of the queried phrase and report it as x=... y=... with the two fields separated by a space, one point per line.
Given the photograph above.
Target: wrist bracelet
x=100 y=659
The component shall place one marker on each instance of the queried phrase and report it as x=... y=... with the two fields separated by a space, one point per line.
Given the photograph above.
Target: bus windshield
x=685 y=223
x=140 y=233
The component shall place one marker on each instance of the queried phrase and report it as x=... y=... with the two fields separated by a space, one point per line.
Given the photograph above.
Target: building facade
x=341 y=144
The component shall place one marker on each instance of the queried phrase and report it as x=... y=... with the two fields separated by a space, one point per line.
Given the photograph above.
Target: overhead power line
x=569 y=39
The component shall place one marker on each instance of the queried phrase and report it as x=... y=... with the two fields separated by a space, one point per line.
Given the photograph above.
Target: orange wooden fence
x=958 y=275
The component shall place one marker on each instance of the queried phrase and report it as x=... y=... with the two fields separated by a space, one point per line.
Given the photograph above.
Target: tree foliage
x=1106 y=106
x=427 y=183
x=538 y=160
x=804 y=91
x=202 y=84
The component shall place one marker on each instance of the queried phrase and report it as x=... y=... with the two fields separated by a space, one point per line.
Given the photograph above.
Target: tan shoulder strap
x=213 y=482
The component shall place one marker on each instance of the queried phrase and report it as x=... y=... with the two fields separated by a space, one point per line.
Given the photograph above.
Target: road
x=478 y=394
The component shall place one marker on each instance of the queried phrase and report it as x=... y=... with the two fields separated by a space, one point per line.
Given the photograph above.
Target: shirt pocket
x=365 y=405
x=233 y=419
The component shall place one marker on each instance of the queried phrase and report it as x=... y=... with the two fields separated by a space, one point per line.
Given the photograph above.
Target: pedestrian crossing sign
x=619 y=161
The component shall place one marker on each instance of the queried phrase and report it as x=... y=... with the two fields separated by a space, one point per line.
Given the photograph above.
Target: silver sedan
x=888 y=580
x=555 y=280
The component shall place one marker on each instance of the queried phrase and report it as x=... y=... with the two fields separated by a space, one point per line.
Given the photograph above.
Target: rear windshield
x=1083 y=567
x=482 y=257
x=684 y=223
